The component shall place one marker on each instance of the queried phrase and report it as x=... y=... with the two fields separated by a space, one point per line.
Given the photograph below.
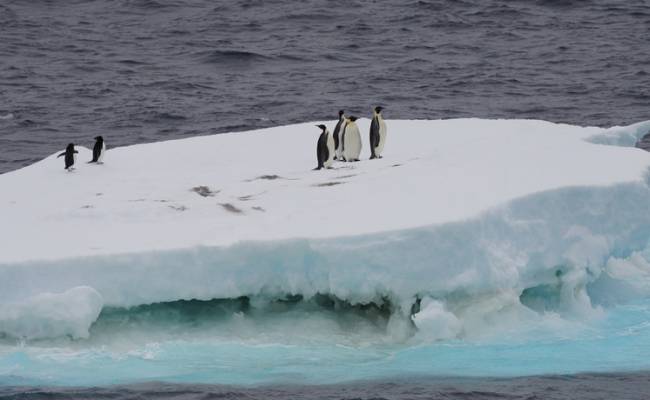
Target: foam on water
x=315 y=349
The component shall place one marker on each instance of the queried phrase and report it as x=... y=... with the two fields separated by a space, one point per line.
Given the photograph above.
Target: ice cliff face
x=461 y=223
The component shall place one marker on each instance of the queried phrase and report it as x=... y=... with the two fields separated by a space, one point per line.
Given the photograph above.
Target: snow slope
x=457 y=212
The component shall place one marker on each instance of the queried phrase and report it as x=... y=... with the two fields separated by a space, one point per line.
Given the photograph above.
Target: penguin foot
x=372 y=157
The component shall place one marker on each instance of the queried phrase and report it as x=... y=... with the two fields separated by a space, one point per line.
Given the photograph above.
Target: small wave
x=242 y=58
x=164 y=116
x=149 y=4
x=231 y=56
x=6 y=116
x=131 y=62
x=27 y=122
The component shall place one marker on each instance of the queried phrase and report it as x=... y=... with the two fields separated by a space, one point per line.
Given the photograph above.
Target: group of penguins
x=345 y=143
x=99 y=149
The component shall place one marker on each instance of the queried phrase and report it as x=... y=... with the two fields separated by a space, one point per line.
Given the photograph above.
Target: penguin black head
x=378 y=109
x=99 y=138
x=352 y=118
x=341 y=112
x=323 y=127
x=70 y=147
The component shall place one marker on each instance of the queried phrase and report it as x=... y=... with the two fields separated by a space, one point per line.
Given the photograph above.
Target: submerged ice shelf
x=481 y=220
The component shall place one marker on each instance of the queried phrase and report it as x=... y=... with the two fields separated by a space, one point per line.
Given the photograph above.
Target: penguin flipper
x=62 y=154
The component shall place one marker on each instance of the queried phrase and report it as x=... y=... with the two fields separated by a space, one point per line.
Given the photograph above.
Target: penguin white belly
x=352 y=143
x=382 y=137
x=100 y=159
x=330 y=150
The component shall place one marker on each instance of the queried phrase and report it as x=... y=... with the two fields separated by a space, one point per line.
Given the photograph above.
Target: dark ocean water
x=577 y=387
x=147 y=70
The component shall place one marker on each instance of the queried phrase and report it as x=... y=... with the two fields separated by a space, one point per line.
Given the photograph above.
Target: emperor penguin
x=351 y=139
x=98 y=151
x=70 y=156
x=377 y=133
x=324 y=148
x=337 y=130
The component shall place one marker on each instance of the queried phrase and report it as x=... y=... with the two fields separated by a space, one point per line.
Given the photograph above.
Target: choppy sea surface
x=138 y=71
x=633 y=386
x=147 y=70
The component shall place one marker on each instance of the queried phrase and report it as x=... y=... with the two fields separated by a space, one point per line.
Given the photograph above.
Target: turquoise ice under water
x=320 y=349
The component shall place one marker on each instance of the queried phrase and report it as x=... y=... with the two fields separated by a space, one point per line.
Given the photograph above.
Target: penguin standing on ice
x=337 y=130
x=98 y=151
x=377 y=133
x=324 y=148
x=351 y=139
x=70 y=156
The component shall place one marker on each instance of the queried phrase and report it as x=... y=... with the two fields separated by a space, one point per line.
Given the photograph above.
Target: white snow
x=455 y=206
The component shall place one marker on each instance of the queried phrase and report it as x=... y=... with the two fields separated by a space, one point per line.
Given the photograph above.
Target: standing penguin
x=377 y=133
x=351 y=139
x=324 y=148
x=337 y=130
x=98 y=151
x=70 y=156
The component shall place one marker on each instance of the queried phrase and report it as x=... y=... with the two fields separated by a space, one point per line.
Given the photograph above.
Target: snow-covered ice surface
x=517 y=238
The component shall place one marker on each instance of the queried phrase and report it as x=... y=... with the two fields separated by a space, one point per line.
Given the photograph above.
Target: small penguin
x=377 y=133
x=70 y=156
x=324 y=148
x=337 y=130
x=98 y=151
x=351 y=147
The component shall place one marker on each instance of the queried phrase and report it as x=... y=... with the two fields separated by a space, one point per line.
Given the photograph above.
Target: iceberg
x=463 y=222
